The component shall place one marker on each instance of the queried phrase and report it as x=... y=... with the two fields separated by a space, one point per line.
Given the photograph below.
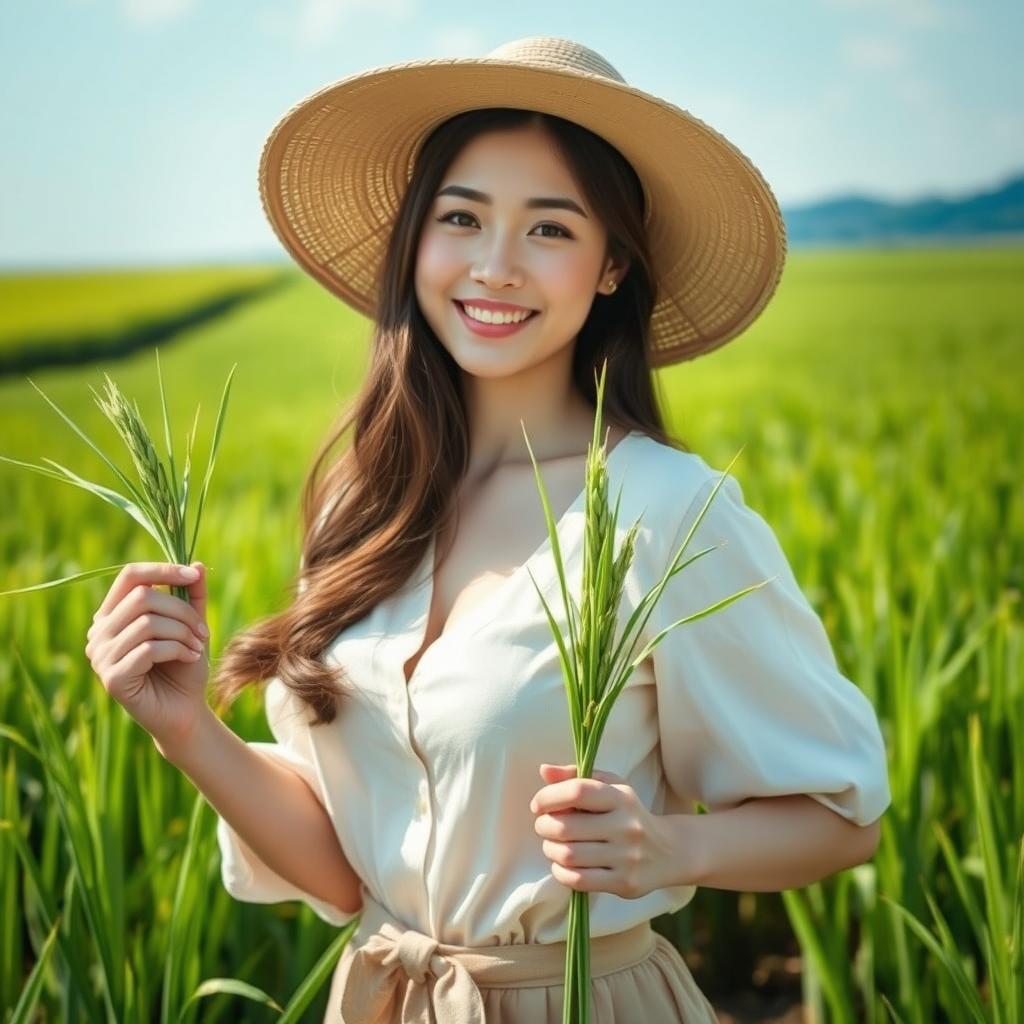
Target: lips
x=462 y=306
x=491 y=330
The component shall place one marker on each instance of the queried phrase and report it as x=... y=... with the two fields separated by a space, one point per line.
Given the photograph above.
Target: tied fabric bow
x=392 y=968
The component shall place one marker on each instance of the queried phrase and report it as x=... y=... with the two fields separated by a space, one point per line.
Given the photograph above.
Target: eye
x=557 y=227
x=448 y=219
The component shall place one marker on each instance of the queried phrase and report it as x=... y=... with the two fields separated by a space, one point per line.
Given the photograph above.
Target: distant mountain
x=855 y=219
x=993 y=217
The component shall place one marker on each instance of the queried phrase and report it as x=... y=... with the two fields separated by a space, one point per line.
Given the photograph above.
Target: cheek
x=435 y=278
x=569 y=281
x=436 y=262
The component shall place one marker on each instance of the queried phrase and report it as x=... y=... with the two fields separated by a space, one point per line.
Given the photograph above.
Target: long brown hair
x=369 y=512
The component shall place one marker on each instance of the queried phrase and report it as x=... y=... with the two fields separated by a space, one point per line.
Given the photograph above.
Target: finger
x=151 y=626
x=584 y=879
x=197 y=593
x=570 y=770
x=592 y=854
x=571 y=794
x=153 y=574
x=150 y=600
x=138 y=661
x=572 y=827
x=145 y=601
x=136 y=602
x=553 y=772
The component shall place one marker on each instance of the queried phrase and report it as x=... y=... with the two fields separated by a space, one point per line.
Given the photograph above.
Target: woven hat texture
x=335 y=166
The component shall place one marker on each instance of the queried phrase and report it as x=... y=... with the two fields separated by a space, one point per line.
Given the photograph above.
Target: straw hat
x=335 y=166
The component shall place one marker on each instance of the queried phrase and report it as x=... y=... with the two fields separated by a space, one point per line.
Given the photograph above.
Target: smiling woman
x=506 y=256
x=458 y=390
x=504 y=253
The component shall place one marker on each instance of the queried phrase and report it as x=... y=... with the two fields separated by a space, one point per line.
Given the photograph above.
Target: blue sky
x=132 y=128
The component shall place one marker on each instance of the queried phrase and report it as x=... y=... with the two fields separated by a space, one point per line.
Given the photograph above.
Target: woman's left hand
x=599 y=836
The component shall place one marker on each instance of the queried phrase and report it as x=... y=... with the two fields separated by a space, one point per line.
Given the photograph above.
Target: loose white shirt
x=428 y=785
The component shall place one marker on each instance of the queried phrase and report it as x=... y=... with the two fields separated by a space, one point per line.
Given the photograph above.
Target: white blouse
x=429 y=785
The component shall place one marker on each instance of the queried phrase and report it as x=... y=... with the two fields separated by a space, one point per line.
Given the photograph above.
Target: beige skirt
x=389 y=974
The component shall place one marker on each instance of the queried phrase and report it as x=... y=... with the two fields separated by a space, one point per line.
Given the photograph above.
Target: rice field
x=879 y=400
x=67 y=305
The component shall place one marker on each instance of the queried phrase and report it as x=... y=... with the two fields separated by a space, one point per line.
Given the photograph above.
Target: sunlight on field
x=878 y=397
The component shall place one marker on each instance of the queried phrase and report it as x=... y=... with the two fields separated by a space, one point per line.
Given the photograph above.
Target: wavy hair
x=369 y=512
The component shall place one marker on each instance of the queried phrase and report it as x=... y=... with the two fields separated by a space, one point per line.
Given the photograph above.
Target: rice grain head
x=128 y=423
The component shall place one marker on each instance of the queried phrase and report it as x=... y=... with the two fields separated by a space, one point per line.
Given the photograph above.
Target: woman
x=423 y=770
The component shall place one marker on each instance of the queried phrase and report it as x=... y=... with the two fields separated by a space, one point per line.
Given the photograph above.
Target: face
x=494 y=246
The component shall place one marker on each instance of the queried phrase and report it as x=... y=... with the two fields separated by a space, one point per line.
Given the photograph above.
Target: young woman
x=510 y=223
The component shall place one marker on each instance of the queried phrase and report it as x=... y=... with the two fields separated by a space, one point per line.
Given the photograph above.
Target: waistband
x=397 y=968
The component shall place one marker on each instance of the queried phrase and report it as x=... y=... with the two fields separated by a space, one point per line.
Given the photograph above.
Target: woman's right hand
x=146 y=647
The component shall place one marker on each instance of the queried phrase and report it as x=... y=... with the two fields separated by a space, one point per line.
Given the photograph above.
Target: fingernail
x=189 y=572
x=203 y=631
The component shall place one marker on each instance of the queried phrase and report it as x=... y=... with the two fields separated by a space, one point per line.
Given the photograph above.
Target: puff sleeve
x=245 y=876
x=751 y=702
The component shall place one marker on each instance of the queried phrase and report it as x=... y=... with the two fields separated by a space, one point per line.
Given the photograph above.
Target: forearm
x=271 y=808
x=766 y=845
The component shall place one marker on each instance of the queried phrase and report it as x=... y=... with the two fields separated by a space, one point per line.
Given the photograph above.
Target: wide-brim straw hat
x=334 y=168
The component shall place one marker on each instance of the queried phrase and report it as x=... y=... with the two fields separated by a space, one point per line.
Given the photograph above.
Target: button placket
x=422 y=827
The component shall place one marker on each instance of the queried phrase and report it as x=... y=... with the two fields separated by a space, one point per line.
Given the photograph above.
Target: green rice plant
x=594 y=667
x=880 y=394
x=998 y=929
x=97 y=883
x=60 y=311
x=24 y=1012
x=157 y=502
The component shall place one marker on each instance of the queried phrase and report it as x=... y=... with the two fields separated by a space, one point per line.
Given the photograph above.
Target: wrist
x=685 y=839
x=186 y=744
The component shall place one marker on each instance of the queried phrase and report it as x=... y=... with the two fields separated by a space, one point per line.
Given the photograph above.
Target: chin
x=493 y=362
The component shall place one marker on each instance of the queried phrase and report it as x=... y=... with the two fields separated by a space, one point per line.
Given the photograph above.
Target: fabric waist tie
x=400 y=974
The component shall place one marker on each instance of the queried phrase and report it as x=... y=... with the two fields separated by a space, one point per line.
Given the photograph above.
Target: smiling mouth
x=492 y=330
x=486 y=323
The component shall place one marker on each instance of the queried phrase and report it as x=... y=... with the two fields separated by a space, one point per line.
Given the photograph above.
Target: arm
x=766 y=844
x=757 y=721
x=271 y=808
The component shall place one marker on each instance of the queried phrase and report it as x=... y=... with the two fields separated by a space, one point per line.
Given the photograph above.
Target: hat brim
x=334 y=169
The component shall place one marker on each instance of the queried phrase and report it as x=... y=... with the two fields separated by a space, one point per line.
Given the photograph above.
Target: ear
x=615 y=272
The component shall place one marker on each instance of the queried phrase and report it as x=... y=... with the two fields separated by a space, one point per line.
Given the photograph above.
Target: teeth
x=487 y=317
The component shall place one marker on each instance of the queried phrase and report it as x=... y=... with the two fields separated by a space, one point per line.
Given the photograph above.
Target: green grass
x=877 y=398
x=50 y=304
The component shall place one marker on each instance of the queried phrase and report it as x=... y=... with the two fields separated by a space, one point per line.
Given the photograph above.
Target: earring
x=611 y=284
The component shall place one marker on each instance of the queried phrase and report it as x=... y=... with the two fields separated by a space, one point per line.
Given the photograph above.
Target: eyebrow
x=538 y=202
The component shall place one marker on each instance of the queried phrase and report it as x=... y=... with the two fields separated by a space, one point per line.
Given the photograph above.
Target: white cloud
x=747 y=120
x=913 y=13
x=458 y=41
x=154 y=12
x=313 y=23
x=873 y=52
x=886 y=56
x=917 y=91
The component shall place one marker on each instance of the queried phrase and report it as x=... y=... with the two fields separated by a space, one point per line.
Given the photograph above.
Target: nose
x=497 y=266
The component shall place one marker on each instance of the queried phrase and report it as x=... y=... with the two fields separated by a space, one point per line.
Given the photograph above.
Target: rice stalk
x=156 y=502
x=596 y=665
